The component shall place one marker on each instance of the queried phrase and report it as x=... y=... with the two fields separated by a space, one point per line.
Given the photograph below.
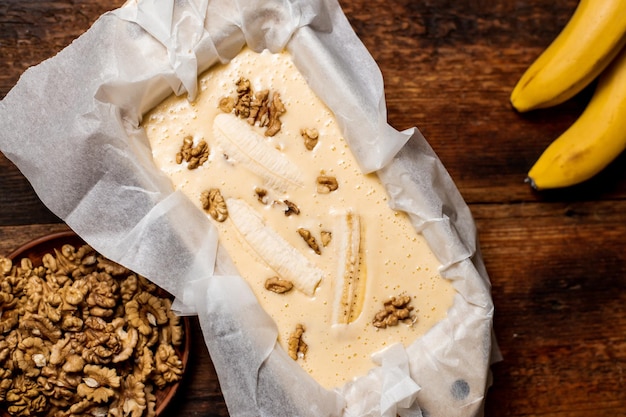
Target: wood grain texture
x=556 y=260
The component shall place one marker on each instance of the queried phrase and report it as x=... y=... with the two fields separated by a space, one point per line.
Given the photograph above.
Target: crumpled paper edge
x=436 y=224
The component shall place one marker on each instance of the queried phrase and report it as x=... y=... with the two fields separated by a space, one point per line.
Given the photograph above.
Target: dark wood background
x=556 y=259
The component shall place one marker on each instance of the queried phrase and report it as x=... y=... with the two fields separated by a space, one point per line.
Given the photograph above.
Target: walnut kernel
x=277 y=109
x=296 y=345
x=278 y=285
x=310 y=240
x=262 y=108
x=213 y=202
x=395 y=310
x=291 y=208
x=326 y=184
x=193 y=155
x=311 y=136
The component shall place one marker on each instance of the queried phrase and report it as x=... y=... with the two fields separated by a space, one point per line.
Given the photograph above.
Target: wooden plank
x=558 y=272
x=34 y=30
x=18 y=202
x=556 y=259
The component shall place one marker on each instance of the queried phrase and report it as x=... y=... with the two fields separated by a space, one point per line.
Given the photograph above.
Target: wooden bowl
x=37 y=248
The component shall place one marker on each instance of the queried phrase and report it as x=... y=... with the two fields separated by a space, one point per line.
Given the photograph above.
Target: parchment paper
x=71 y=125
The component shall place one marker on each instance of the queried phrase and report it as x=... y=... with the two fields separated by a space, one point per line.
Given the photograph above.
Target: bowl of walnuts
x=83 y=335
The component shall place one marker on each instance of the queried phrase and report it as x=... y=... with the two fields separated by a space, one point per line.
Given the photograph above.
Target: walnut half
x=262 y=108
x=277 y=285
x=395 y=310
x=326 y=184
x=213 y=202
x=193 y=155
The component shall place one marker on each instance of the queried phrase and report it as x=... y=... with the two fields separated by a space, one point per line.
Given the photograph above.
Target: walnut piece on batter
x=311 y=137
x=276 y=109
x=278 y=285
x=292 y=208
x=213 y=202
x=195 y=156
x=310 y=240
x=297 y=348
x=395 y=310
x=262 y=108
x=326 y=184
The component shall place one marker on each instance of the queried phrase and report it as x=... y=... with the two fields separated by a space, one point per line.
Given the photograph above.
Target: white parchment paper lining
x=71 y=125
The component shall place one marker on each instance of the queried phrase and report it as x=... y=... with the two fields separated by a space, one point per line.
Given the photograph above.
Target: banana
x=282 y=257
x=239 y=141
x=587 y=44
x=595 y=139
x=349 y=285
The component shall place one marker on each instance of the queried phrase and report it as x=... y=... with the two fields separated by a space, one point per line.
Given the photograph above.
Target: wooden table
x=557 y=260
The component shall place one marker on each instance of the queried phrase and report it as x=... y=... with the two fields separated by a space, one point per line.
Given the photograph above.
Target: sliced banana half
x=349 y=285
x=287 y=261
x=240 y=141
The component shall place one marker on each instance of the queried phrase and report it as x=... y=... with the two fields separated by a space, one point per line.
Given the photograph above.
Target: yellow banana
x=592 y=141
x=591 y=39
